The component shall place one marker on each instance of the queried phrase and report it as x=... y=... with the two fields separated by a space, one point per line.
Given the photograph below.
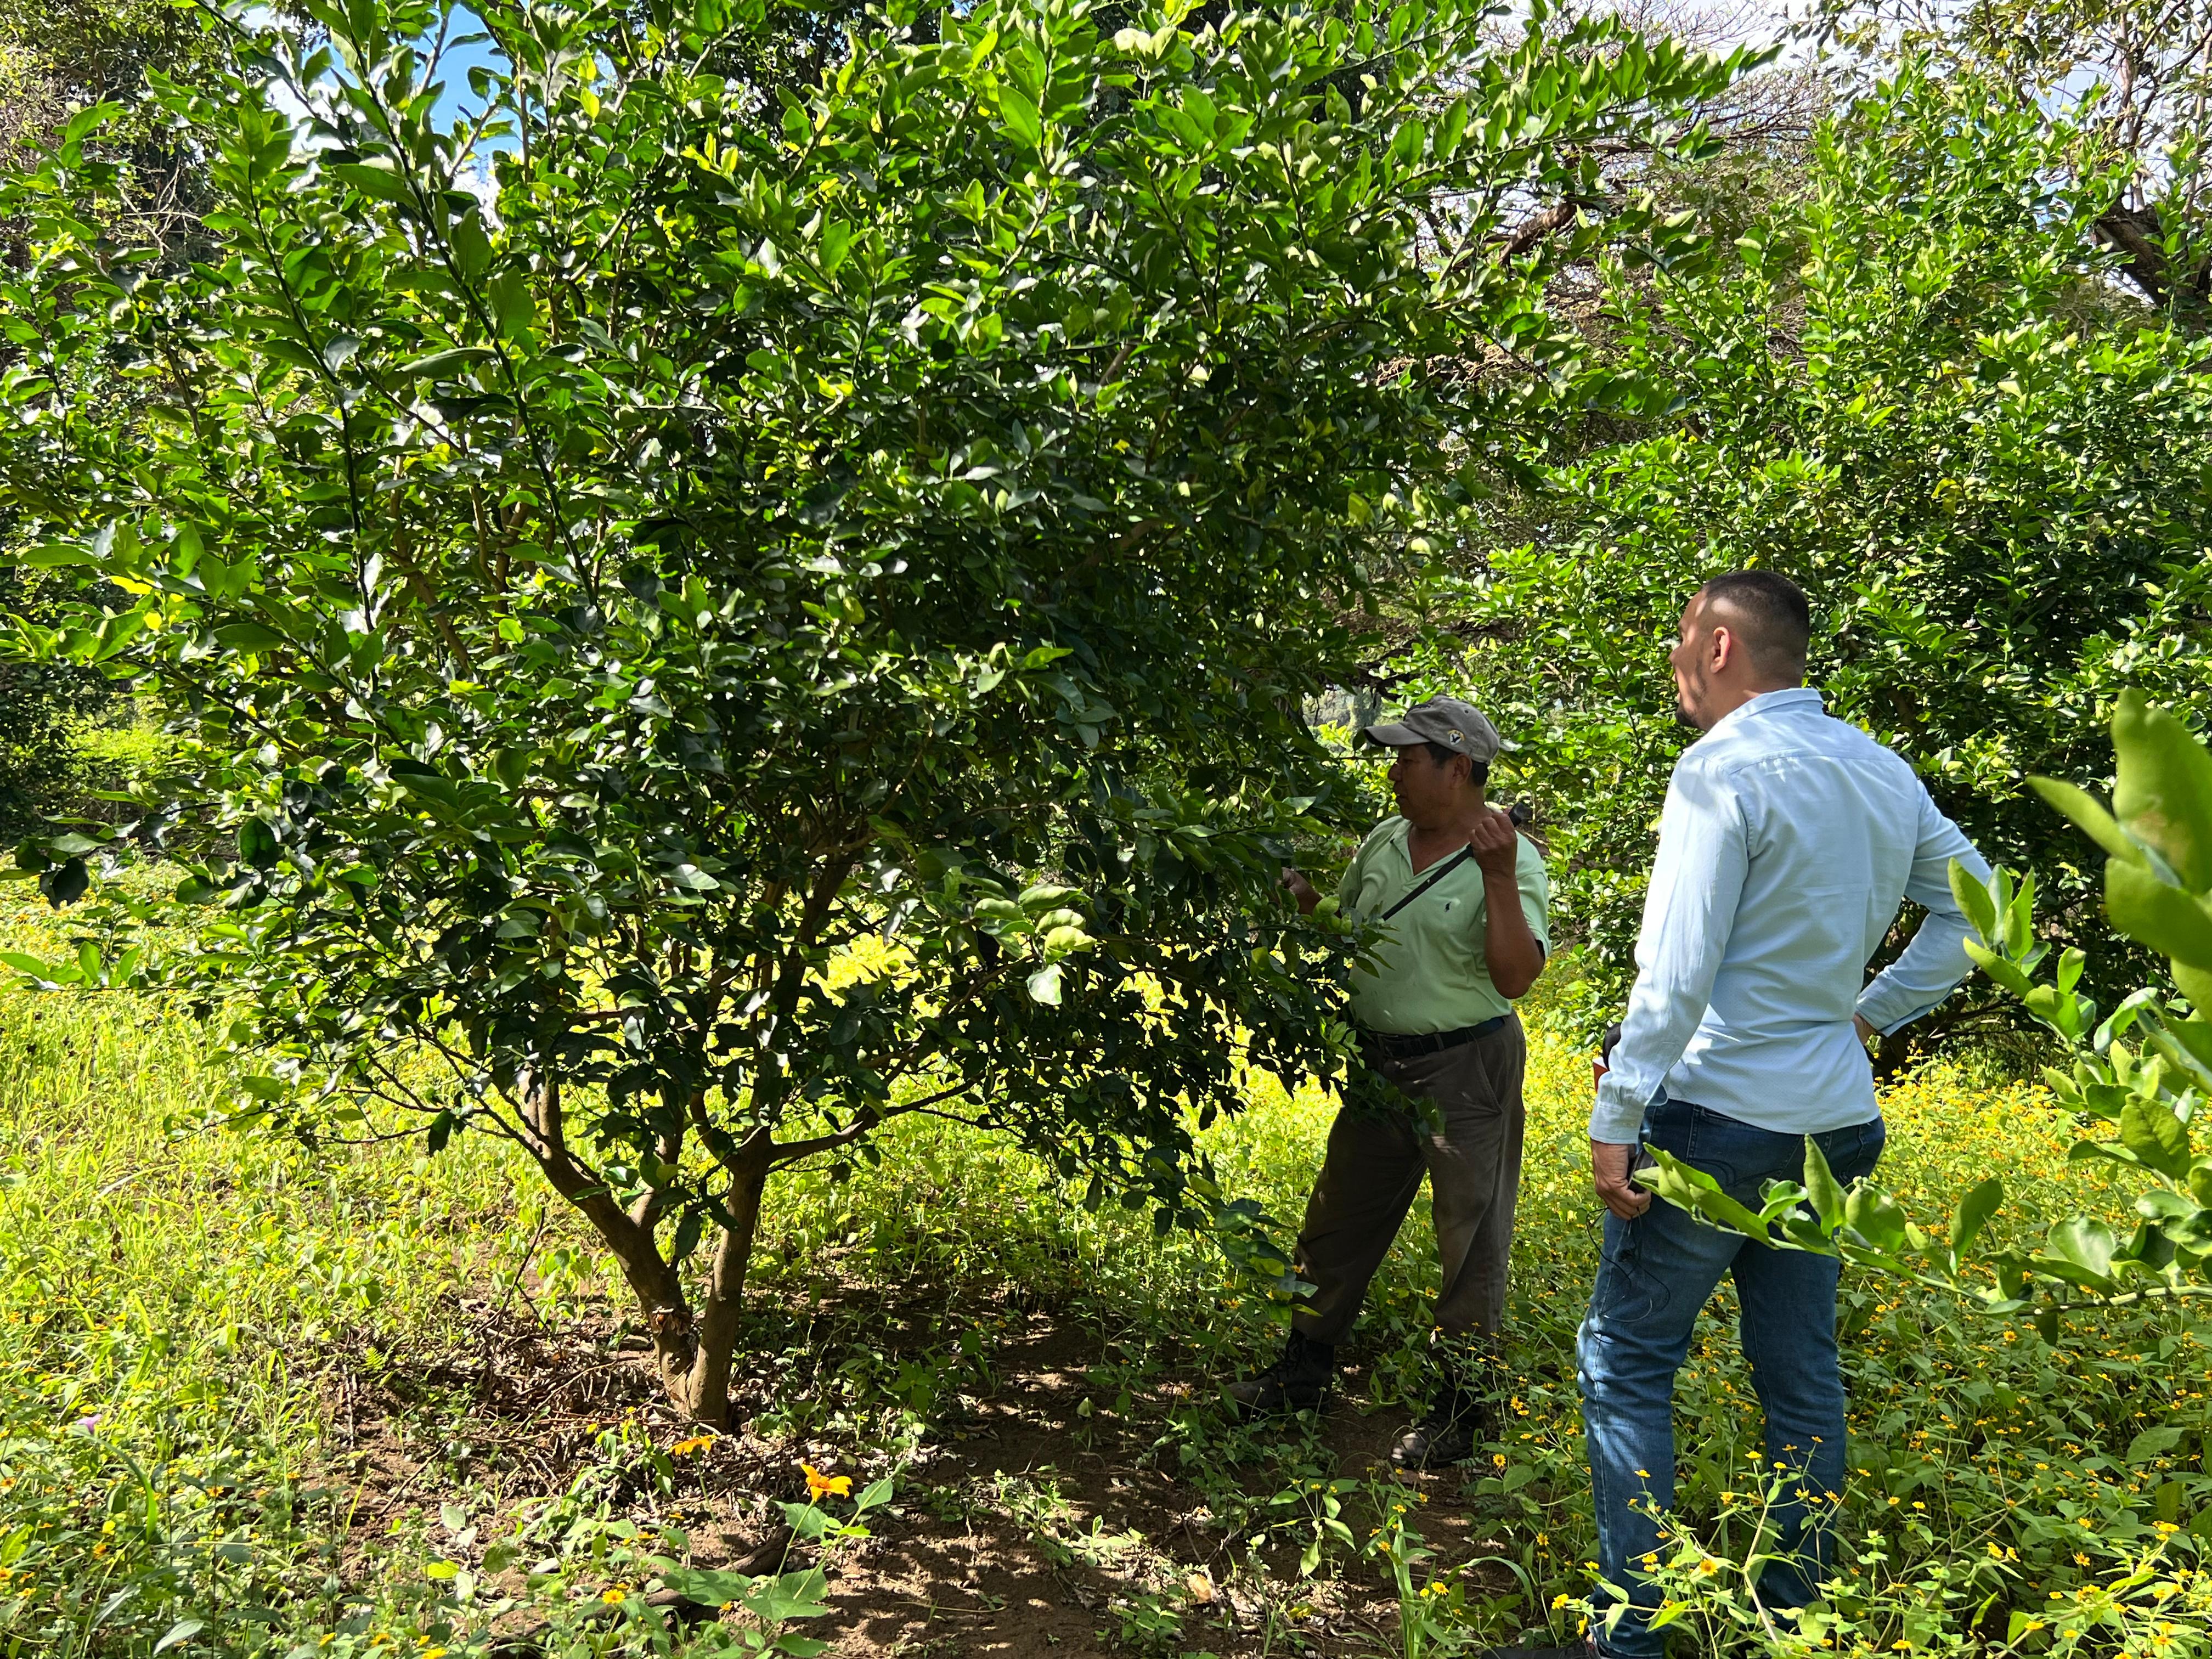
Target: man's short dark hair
x=1477 y=772
x=1773 y=618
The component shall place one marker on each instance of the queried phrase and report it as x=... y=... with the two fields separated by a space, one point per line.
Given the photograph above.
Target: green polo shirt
x=1429 y=971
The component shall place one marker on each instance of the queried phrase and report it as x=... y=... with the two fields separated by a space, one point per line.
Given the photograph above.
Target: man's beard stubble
x=1683 y=716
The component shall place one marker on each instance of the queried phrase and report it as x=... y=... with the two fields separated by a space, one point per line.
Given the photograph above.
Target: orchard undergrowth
x=175 y=1304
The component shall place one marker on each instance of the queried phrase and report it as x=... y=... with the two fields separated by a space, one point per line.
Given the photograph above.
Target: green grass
x=182 y=1308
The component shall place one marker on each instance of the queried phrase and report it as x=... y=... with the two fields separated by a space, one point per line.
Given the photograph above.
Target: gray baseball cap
x=1458 y=725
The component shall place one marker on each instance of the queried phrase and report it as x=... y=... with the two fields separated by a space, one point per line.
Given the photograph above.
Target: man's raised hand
x=1496 y=843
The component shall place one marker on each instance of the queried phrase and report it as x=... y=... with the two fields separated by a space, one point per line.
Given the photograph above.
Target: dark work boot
x=1298 y=1381
x=1462 y=1413
x=1459 y=1419
x=1456 y=1423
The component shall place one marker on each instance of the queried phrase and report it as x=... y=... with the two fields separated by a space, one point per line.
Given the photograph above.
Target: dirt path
x=1031 y=1520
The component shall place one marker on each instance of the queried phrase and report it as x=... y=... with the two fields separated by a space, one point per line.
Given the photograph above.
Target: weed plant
x=179 y=1307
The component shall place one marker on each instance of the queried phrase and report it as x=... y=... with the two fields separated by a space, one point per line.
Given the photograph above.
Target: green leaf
x=471 y=246
x=183 y=1631
x=1044 y=985
x=442 y=364
x=257 y=844
x=2084 y=1242
x=876 y=1493
x=2153 y=1443
x=1688 y=1187
x=2000 y=972
x=513 y=308
x=1019 y=113
x=2195 y=983
x=1975 y=900
x=378 y=179
x=2193 y=1037
x=65 y=882
x=2078 y=805
x=1973 y=1214
x=2149 y=1129
x=2163 y=793
x=248 y=636
x=2157 y=914
x=1874 y=1216
x=709 y=1589
x=1820 y=1186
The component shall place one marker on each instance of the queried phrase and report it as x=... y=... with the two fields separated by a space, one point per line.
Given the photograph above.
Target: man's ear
x=1727 y=648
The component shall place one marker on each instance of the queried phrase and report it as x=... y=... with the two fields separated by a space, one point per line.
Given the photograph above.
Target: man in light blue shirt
x=1787 y=841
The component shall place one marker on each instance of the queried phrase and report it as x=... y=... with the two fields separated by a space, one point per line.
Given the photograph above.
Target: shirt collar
x=1794 y=696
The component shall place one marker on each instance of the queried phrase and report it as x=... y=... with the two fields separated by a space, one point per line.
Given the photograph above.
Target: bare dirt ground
x=1024 y=1525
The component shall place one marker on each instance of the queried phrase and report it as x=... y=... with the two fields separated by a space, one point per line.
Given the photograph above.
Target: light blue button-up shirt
x=1787 y=841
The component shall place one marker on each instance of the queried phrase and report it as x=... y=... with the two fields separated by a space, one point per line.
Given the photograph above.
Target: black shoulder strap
x=1435 y=876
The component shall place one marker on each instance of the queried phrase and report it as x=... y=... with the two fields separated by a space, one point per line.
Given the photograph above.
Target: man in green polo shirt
x=1465 y=903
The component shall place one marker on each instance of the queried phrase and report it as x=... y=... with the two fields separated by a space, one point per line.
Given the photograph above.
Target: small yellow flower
x=613 y=1598
x=820 y=1486
x=697 y=1443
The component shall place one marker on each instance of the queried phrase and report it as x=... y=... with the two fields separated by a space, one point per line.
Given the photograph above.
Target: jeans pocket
x=1626 y=1288
x=1852 y=1153
x=1699 y=1138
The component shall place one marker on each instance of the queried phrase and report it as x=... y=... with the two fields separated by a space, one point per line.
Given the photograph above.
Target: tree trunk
x=2139 y=234
x=705 y=1389
x=691 y=1353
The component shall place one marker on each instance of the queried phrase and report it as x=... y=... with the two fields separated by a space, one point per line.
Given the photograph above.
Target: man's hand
x=1496 y=844
x=1609 y=1172
x=1509 y=951
x=1867 y=1033
x=1301 y=890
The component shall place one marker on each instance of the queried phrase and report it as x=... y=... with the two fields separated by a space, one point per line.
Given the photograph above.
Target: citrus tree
x=724 y=632
x=1917 y=388
x=2140 y=1076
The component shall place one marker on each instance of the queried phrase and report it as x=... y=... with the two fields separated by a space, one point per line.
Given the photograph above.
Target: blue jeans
x=1657 y=1272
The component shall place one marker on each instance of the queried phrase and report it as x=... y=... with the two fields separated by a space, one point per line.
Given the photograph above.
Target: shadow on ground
x=1036 y=1511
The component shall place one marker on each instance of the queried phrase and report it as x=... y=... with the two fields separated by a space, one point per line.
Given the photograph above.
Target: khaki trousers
x=1373 y=1168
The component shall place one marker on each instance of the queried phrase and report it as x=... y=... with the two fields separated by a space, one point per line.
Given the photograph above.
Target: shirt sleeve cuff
x=1615 y=1120
x=1887 y=1009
